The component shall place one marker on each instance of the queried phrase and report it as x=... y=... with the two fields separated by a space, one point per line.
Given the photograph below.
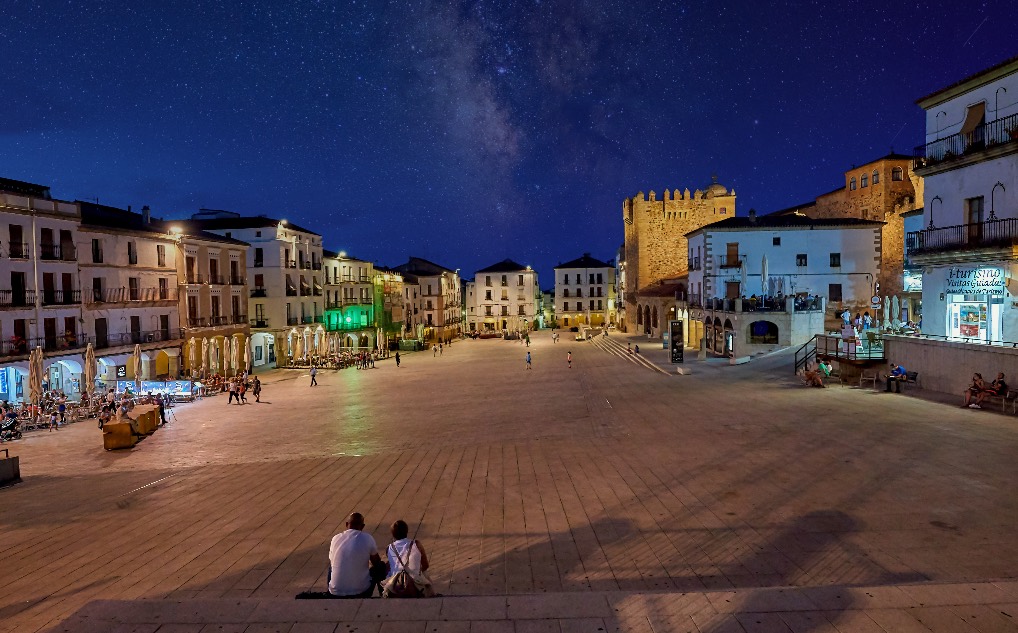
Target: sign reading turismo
x=975 y=281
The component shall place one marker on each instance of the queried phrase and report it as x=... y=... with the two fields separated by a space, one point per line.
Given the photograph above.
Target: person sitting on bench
x=974 y=392
x=996 y=388
x=897 y=376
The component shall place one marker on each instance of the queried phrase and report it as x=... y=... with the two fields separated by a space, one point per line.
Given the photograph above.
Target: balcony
x=995 y=134
x=291 y=291
x=194 y=279
x=196 y=321
x=17 y=298
x=292 y=320
x=238 y=281
x=61 y=297
x=305 y=265
x=17 y=250
x=316 y=291
x=258 y=291
x=306 y=320
x=258 y=263
x=989 y=234
x=316 y=265
x=694 y=264
x=219 y=319
x=126 y=295
x=216 y=280
x=291 y=264
x=333 y=305
x=319 y=318
x=138 y=338
x=731 y=261
x=305 y=290
x=61 y=252
x=239 y=319
x=260 y=322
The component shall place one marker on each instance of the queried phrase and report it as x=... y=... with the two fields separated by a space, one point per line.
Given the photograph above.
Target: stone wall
x=947 y=366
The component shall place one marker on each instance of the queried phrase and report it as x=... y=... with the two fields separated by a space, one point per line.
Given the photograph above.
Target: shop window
x=835 y=260
x=800 y=259
x=834 y=292
x=897 y=174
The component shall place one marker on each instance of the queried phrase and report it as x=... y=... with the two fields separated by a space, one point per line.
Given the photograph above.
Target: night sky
x=468 y=132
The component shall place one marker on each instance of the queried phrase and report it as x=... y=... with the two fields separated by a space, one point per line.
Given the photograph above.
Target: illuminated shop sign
x=975 y=281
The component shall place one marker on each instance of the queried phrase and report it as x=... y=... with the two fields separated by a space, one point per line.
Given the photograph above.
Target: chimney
x=146 y=215
x=752 y=215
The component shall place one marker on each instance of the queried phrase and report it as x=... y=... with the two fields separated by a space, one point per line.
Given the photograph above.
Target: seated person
x=896 y=377
x=351 y=556
x=973 y=392
x=825 y=368
x=996 y=388
x=812 y=377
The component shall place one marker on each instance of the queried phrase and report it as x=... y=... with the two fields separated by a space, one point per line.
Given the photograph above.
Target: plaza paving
x=607 y=496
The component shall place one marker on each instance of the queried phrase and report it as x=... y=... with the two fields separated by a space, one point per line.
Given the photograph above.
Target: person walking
x=241 y=389
x=314 y=374
x=439 y=349
x=434 y=351
x=256 y=389
x=569 y=360
x=233 y=392
x=529 y=366
x=397 y=360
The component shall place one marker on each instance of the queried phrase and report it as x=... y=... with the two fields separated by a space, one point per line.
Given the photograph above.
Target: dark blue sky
x=467 y=132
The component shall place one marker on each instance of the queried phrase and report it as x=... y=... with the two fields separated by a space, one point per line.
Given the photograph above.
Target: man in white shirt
x=350 y=557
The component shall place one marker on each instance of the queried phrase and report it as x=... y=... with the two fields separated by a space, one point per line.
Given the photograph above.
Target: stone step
x=984 y=606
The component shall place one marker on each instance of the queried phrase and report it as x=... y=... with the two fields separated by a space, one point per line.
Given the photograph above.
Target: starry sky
x=466 y=132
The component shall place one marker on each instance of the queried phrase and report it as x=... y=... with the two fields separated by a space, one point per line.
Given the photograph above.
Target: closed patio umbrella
x=745 y=279
x=247 y=354
x=35 y=376
x=204 y=355
x=90 y=370
x=227 y=356
x=887 y=311
x=235 y=355
x=763 y=276
x=137 y=368
x=298 y=351
x=192 y=354
x=896 y=311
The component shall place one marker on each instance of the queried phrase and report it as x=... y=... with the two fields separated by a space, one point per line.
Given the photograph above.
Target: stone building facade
x=884 y=190
x=655 y=236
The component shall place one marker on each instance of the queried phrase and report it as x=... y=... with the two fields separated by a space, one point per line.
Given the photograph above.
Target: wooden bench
x=866 y=376
x=1011 y=396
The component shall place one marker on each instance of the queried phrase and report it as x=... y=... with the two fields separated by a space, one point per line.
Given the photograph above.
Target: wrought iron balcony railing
x=1002 y=131
x=19 y=298
x=992 y=233
x=60 y=297
x=731 y=261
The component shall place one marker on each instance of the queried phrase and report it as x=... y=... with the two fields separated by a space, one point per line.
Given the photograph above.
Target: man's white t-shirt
x=349 y=557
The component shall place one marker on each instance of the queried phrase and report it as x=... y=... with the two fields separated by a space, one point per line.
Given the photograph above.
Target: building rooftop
x=792 y=221
x=216 y=220
x=101 y=215
x=24 y=188
x=504 y=266
x=422 y=267
x=1004 y=68
x=584 y=262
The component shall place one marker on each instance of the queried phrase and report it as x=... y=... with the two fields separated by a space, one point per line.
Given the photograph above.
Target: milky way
x=468 y=132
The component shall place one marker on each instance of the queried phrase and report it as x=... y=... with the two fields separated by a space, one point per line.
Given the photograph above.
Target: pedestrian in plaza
x=636 y=350
x=352 y=554
x=241 y=390
x=314 y=374
x=529 y=366
x=439 y=349
x=62 y=407
x=569 y=360
x=162 y=408
x=232 y=388
x=897 y=376
x=53 y=420
x=629 y=348
x=256 y=389
x=434 y=351
x=397 y=360
x=867 y=321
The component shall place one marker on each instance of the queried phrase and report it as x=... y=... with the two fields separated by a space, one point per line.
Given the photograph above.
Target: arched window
x=763 y=333
x=639 y=315
x=654 y=320
x=851 y=184
x=896 y=174
x=864 y=181
x=876 y=176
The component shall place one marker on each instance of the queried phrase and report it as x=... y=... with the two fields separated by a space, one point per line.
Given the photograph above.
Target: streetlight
x=941 y=201
x=993 y=215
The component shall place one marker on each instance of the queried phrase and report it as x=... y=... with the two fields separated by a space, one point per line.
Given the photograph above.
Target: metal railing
x=219 y=319
x=64 y=252
x=239 y=319
x=982 y=234
x=292 y=320
x=60 y=297
x=729 y=261
x=258 y=263
x=259 y=322
x=17 y=298
x=237 y=281
x=138 y=338
x=291 y=291
x=694 y=264
x=998 y=132
x=259 y=291
x=17 y=250
x=216 y=280
x=194 y=278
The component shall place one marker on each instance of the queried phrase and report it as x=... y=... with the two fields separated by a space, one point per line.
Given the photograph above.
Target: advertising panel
x=678 y=341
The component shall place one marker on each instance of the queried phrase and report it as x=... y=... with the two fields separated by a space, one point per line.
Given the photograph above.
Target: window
x=864 y=181
x=835 y=260
x=258 y=233
x=724 y=210
x=521 y=312
x=565 y=292
x=229 y=234
x=896 y=174
x=505 y=281
x=851 y=184
x=487 y=280
x=164 y=288
x=600 y=305
x=876 y=176
x=579 y=292
x=591 y=304
x=565 y=306
x=487 y=295
x=160 y=255
x=834 y=292
x=776 y=241
x=519 y=282
x=505 y=295
x=800 y=259
x=591 y=278
x=97 y=251
x=132 y=253
x=600 y=278
x=259 y=258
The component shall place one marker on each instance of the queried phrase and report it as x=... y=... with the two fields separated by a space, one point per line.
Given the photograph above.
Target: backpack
x=403 y=584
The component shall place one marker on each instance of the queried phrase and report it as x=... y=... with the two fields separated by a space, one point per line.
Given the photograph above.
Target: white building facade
x=967 y=246
x=503 y=298
x=585 y=293
x=432 y=299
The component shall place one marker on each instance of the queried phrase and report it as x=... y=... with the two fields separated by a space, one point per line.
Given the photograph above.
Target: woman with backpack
x=407 y=564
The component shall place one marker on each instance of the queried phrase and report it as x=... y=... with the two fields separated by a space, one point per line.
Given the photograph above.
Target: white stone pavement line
x=615 y=348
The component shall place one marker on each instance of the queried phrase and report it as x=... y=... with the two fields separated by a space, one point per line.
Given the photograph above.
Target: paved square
x=607 y=479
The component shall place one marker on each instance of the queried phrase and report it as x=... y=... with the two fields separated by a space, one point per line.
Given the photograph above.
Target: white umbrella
x=235 y=356
x=745 y=279
x=35 y=376
x=247 y=354
x=204 y=355
x=896 y=311
x=137 y=368
x=214 y=356
x=90 y=369
x=887 y=311
x=192 y=353
x=298 y=352
x=227 y=355
x=763 y=276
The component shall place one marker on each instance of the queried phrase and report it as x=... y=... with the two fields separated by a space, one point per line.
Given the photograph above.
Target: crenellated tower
x=655 y=232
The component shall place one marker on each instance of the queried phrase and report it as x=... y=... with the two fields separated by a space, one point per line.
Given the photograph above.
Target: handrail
x=807 y=354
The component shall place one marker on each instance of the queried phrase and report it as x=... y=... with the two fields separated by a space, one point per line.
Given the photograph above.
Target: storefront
x=912 y=296
x=974 y=300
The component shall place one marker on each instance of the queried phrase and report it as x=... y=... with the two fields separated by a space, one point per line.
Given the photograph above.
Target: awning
x=974 y=117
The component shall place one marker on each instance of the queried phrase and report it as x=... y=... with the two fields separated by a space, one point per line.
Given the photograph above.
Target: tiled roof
x=584 y=262
x=504 y=266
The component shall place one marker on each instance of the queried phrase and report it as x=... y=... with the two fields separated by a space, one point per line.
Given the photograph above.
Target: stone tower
x=655 y=232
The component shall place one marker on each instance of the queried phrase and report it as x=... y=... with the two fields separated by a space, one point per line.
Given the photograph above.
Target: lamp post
x=941 y=201
x=993 y=214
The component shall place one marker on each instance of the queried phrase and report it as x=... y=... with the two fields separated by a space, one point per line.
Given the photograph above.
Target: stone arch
x=763 y=333
x=654 y=319
x=639 y=314
x=646 y=318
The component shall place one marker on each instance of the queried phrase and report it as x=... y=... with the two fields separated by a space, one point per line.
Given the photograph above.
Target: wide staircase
x=615 y=348
x=982 y=606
